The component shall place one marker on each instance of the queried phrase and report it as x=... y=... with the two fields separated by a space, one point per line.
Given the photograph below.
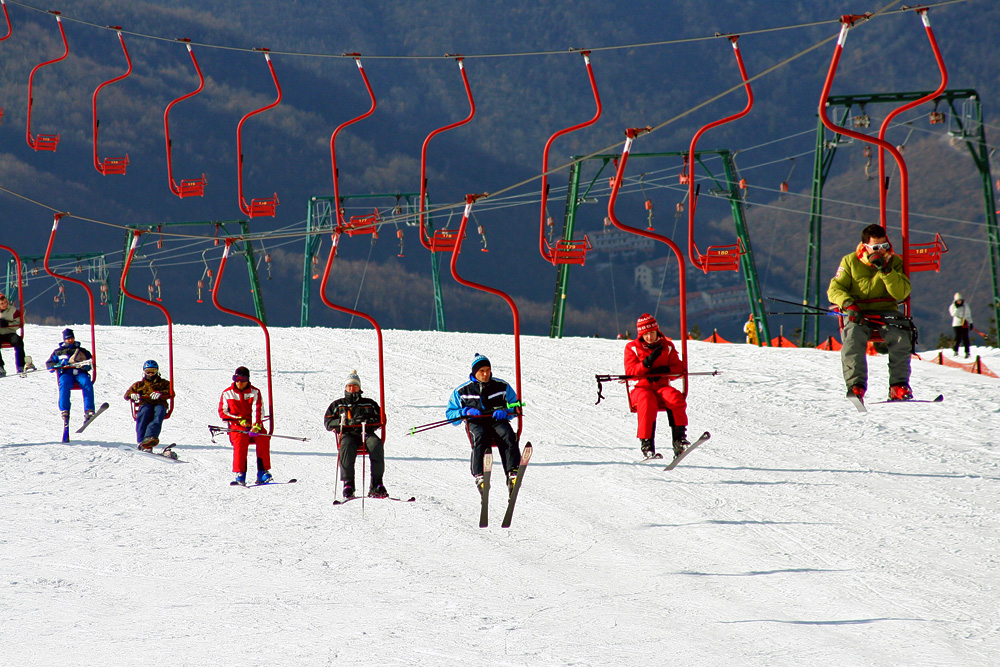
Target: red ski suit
x=236 y=406
x=650 y=393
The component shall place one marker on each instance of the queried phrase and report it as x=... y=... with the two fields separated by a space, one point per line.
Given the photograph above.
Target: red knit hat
x=645 y=323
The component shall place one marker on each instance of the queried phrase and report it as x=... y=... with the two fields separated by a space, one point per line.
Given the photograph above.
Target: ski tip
x=292 y=481
x=411 y=499
x=940 y=397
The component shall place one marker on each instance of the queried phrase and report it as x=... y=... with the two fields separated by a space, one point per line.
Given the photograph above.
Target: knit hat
x=241 y=373
x=479 y=362
x=958 y=296
x=352 y=378
x=68 y=333
x=645 y=323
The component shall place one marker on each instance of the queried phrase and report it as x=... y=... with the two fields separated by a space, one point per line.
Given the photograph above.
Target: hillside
x=802 y=533
x=520 y=102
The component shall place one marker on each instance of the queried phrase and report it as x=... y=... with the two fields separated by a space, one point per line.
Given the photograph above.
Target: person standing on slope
x=240 y=406
x=483 y=402
x=750 y=329
x=355 y=417
x=961 y=322
x=867 y=286
x=68 y=361
x=150 y=396
x=652 y=358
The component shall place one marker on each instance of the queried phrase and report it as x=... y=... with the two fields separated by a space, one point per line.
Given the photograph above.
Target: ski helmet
x=150 y=364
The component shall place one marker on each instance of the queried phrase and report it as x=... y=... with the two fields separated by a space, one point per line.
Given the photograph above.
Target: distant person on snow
x=484 y=401
x=68 y=361
x=652 y=358
x=240 y=406
x=750 y=329
x=352 y=416
x=150 y=396
x=961 y=322
x=10 y=322
x=867 y=286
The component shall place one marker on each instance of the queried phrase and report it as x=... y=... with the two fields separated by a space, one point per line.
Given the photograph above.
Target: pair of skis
x=86 y=422
x=679 y=457
x=166 y=453
x=859 y=403
x=484 y=510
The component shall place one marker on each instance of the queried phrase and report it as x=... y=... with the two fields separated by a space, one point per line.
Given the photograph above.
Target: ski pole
x=433 y=425
x=215 y=430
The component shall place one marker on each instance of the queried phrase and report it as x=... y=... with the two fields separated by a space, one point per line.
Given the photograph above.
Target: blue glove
x=471 y=412
x=500 y=415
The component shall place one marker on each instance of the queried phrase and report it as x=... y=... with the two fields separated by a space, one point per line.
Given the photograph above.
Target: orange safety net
x=716 y=338
x=781 y=341
x=830 y=344
x=976 y=367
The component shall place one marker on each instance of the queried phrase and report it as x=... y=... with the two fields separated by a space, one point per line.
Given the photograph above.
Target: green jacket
x=860 y=283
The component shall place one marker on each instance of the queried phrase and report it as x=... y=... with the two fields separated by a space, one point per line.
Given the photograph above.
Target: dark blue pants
x=149 y=421
x=485 y=433
x=66 y=383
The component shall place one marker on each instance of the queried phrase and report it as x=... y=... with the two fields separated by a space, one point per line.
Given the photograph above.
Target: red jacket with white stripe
x=235 y=405
x=668 y=361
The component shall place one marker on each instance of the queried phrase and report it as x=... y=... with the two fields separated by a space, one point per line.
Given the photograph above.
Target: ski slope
x=802 y=533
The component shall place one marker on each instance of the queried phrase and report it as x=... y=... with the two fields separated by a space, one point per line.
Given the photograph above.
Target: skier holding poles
x=352 y=416
x=150 y=396
x=653 y=358
x=240 y=407
x=72 y=364
x=867 y=286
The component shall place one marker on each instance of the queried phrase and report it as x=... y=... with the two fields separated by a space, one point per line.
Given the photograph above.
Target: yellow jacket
x=860 y=283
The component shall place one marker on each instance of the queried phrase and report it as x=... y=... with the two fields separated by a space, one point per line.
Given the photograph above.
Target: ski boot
x=648 y=448
x=511 y=480
x=29 y=365
x=377 y=491
x=88 y=415
x=264 y=476
x=480 y=484
x=3 y=372
x=900 y=392
x=680 y=440
x=148 y=443
x=241 y=478
x=857 y=390
x=348 y=489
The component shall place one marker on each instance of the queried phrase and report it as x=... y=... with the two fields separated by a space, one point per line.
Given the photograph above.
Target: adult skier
x=150 y=396
x=10 y=322
x=240 y=406
x=483 y=401
x=961 y=322
x=653 y=358
x=69 y=362
x=351 y=416
x=868 y=285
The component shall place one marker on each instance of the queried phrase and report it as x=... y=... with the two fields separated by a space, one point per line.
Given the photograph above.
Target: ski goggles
x=241 y=378
x=879 y=247
x=150 y=372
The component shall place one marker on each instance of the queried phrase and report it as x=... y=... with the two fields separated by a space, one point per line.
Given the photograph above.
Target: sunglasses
x=240 y=378
x=878 y=246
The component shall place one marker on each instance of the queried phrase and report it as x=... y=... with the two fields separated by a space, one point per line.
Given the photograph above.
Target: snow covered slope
x=803 y=533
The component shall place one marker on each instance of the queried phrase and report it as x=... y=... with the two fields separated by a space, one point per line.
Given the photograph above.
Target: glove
x=136 y=398
x=500 y=415
x=653 y=356
x=3 y=322
x=257 y=428
x=471 y=412
x=243 y=423
x=854 y=313
x=879 y=262
x=155 y=395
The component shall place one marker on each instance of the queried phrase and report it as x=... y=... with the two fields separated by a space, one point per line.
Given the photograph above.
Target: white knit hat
x=958 y=296
x=352 y=378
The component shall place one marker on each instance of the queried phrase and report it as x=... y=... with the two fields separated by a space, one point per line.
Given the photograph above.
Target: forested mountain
x=520 y=101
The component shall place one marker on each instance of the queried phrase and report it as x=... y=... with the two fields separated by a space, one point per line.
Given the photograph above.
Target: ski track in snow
x=803 y=532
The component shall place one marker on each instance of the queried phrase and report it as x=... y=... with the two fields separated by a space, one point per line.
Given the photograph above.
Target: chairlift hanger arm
x=424 y=237
x=44 y=141
x=883 y=189
x=267 y=336
x=630 y=136
x=256 y=207
x=10 y=29
x=697 y=259
x=333 y=139
x=193 y=187
x=469 y=201
x=123 y=285
x=543 y=245
x=58 y=276
x=110 y=165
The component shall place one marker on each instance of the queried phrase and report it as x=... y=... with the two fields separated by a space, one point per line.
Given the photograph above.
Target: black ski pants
x=350 y=441
x=487 y=432
x=961 y=338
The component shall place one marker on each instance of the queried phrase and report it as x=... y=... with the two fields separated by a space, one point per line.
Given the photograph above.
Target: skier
x=867 y=286
x=483 y=401
x=240 y=406
x=750 y=329
x=150 y=395
x=351 y=416
x=961 y=322
x=10 y=322
x=68 y=361
x=652 y=357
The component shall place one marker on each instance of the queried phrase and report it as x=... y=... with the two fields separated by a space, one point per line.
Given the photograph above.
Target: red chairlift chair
x=44 y=142
x=264 y=206
x=110 y=165
x=189 y=187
